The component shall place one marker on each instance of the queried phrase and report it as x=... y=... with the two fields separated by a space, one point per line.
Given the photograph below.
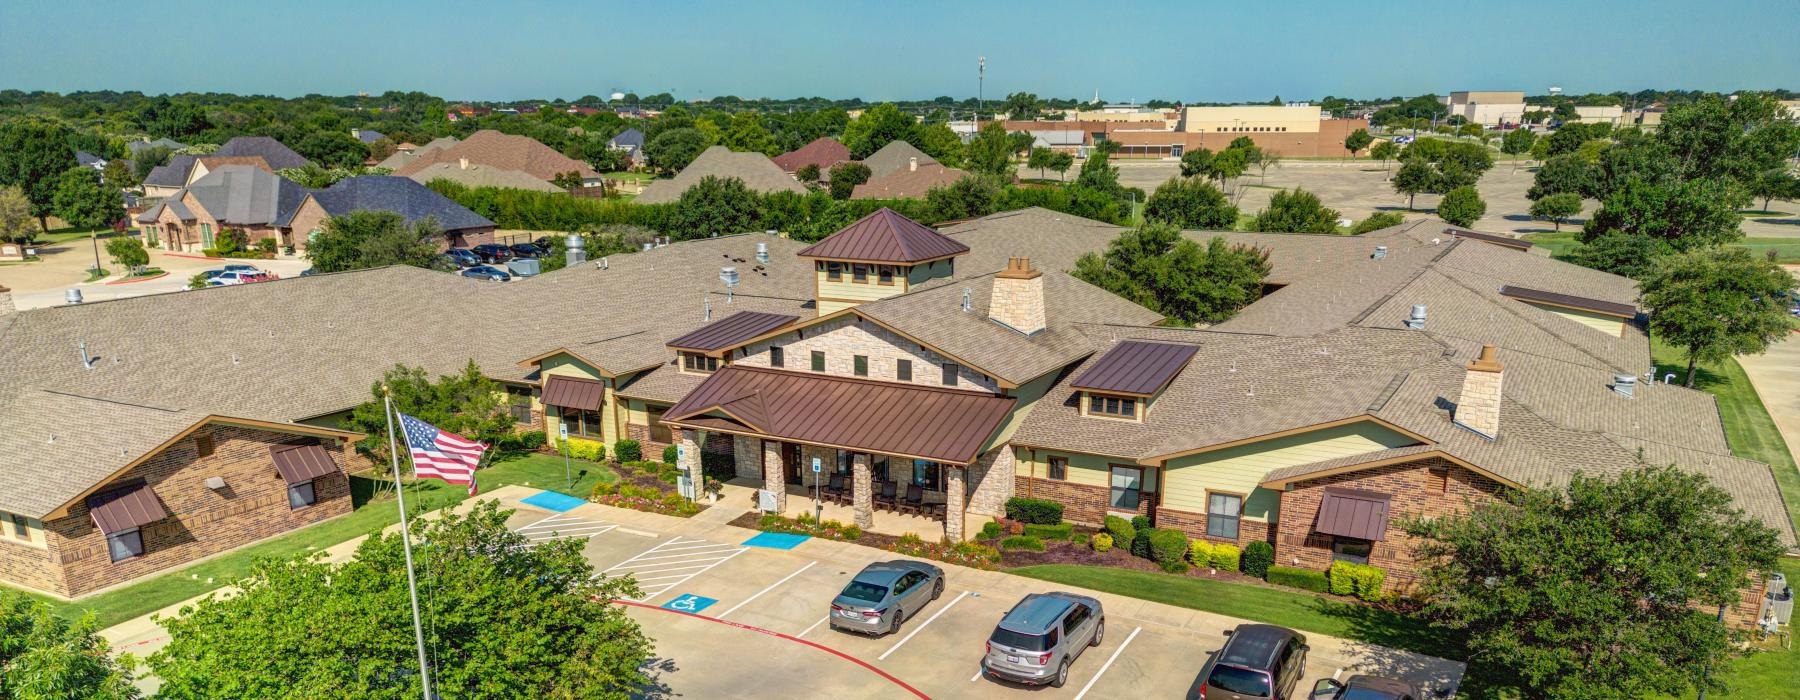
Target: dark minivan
x=1259 y=662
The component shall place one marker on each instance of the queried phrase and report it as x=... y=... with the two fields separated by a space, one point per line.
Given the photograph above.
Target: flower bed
x=805 y=525
x=645 y=498
x=971 y=554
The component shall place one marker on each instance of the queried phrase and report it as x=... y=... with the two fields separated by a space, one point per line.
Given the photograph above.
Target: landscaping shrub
x=1140 y=522
x=1299 y=578
x=1051 y=532
x=1034 y=511
x=1360 y=580
x=1022 y=542
x=520 y=442
x=1339 y=576
x=1169 y=549
x=1080 y=538
x=670 y=454
x=1257 y=558
x=1102 y=542
x=805 y=525
x=585 y=449
x=628 y=450
x=1225 y=557
x=1120 y=529
x=1140 y=543
x=1200 y=552
x=973 y=554
x=990 y=530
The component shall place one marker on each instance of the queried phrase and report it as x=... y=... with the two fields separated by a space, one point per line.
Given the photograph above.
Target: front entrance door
x=790 y=461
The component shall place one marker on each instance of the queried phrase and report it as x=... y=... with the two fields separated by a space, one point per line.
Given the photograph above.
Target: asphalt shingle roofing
x=173 y=173
x=502 y=151
x=239 y=194
x=409 y=199
x=278 y=156
x=755 y=169
x=894 y=157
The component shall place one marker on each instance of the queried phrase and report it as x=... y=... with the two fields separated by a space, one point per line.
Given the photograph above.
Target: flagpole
x=412 y=586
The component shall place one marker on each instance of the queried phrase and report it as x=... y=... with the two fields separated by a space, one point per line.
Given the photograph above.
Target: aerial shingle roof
x=409 y=199
x=823 y=152
x=895 y=157
x=755 y=170
x=501 y=151
x=276 y=154
x=908 y=183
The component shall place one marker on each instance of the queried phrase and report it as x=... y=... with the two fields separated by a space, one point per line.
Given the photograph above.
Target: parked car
x=462 y=257
x=1258 y=662
x=1041 y=635
x=487 y=272
x=308 y=272
x=230 y=277
x=883 y=595
x=1365 y=688
x=526 y=250
x=239 y=267
x=545 y=242
x=492 y=253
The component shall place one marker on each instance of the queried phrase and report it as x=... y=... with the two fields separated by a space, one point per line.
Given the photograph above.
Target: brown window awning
x=573 y=392
x=299 y=464
x=1353 y=513
x=124 y=508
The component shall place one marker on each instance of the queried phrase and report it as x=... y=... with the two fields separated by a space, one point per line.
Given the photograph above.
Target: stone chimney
x=1478 y=408
x=1017 y=301
x=912 y=164
x=464 y=162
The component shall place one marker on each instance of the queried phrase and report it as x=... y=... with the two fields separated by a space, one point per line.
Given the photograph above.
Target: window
x=777 y=357
x=203 y=445
x=878 y=467
x=885 y=274
x=859 y=273
x=1077 y=615
x=1127 y=488
x=518 y=400
x=1351 y=550
x=301 y=495
x=1115 y=406
x=903 y=370
x=206 y=235
x=861 y=367
x=658 y=431
x=1059 y=468
x=21 y=526
x=1222 y=512
x=125 y=544
x=950 y=372
x=581 y=423
x=818 y=360
x=927 y=475
x=843 y=462
x=699 y=364
x=834 y=271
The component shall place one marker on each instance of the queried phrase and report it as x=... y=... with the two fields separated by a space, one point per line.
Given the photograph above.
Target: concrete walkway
x=1776 y=376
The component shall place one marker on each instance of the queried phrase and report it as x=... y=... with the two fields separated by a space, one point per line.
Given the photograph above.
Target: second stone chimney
x=1017 y=301
x=1478 y=408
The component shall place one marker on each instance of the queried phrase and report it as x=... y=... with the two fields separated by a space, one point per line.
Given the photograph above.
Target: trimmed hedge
x=586 y=449
x=990 y=530
x=1034 y=511
x=1257 y=558
x=1140 y=522
x=520 y=442
x=1102 y=542
x=628 y=451
x=1023 y=542
x=1360 y=580
x=670 y=453
x=1299 y=578
x=1168 y=548
x=1217 y=555
x=1121 y=530
x=1051 y=532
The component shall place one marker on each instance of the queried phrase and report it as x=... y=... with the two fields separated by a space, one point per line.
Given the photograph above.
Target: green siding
x=1240 y=469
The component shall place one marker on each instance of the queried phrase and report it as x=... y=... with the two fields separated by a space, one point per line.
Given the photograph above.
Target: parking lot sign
x=816 y=467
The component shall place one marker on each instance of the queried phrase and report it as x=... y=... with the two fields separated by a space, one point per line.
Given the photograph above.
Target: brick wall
x=252 y=506
x=1194 y=526
x=1082 y=503
x=30 y=566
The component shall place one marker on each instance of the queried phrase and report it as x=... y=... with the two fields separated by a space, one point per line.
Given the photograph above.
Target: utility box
x=765 y=501
x=523 y=267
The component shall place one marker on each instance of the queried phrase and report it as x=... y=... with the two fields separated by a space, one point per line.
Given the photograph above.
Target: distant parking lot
x=748 y=621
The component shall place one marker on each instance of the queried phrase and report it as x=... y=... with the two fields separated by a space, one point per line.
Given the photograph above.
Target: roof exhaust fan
x=1416 y=320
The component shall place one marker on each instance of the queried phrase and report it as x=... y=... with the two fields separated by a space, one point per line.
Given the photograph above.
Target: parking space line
x=771 y=587
x=1108 y=664
x=814 y=626
x=672 y=563
x=922 y=626
x=978 y=671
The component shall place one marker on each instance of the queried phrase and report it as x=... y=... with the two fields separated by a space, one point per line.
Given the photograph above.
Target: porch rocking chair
x=886 y=497
x=914 y=501
x=837 y=490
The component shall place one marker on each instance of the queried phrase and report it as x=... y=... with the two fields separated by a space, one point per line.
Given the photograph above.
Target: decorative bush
x=1225 y=557
x=628 y=451
x=1169 y=549
x=670 y=454
x=521 y=442
x=1140 y=543
x=972 y=554
x=1299 y=578
x=990 y=530
x=1022 y=542
x=1051 y=532
x=1080 y=538
x=266 y=245
x=585 y=449
x=1257 y=558
x=1339 y=576
x=1102 y=542
x=805 y=525
x=1140 y=522
x=1034 y=511
x=1360 y=580
x=1200 y=552
x=1121 y=530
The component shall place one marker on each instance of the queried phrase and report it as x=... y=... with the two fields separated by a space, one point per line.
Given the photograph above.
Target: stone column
x=747 y=457
x=864 y=501
x=954 y=495
x=690 y=441
x=773 y=478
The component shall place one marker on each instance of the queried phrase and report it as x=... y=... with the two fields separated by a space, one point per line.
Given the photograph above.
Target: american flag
x=441 y=454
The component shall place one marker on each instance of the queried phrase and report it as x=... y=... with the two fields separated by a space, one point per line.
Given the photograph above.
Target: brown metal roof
x=1139 y=367
x=1353 y=513
x=884 y=236
x=299 y=464
x=1570 y=300
x=731 y=330
x=1488 y=238
x=124 y=508
x=573 y=392
x=945 y=425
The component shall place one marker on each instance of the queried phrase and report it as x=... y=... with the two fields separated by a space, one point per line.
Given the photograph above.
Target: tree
x=84 y=201
x=747 y=133
x=568 y=181
x=1415 y=177
x=505 y=618
x=1358 y=140
x=1559 y=174
x=1022 y=106
x=939 y=142
x=43 y=656
x=128 y=252
x=1517 y=142
x=846 y=176
x=34 y=153
x=1039 y=159
x=1191 y=203
x=1634 y=255
x=1228 y=164
x=1691 y=214
x=1774 y=184
x=1155 y=266
x=1462 y=206
x=117 y=174
x=1061 y=161
x=672 y=150
x=147 y=160
x=1384 y=152
x=1377 y=221
x=1557 y=208
x=878 y=126
x=15 y=216
x=990 y=152
x=366 y=239
x=466 y=403
x=1295 y=211
x=808 y=173
x=970 y=196
x=1592 y=590
x=333 y=149
x=716 y=206
x=1717 y=302
x=1196 y=162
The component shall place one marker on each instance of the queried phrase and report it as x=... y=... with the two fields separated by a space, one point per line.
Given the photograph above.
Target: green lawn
x=1768 y=674
x=1561 y=245
x=373 y=498
x=66 y=235
x=1748 y=427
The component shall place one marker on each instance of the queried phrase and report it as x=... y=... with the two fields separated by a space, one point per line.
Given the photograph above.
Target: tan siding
x=1239 y=469
x=847 y=290
x=1610 y=325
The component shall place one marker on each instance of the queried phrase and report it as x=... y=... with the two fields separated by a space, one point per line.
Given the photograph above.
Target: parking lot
x=750 y=621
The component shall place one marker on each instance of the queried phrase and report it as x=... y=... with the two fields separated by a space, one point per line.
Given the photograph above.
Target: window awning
x=124 y=508
x=573 y=392
x=299 y=464
x=1353 y=513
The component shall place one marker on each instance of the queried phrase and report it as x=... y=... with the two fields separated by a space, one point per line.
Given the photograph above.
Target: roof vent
x=728 y=275
x=762 y=252
x=87 y=360
x=706 y=303
x=1624 y=385
x=1380 y=252
x=648 y=246
x=1416 y=320
x=601 y=264
x=968 y=302
x=575 y=249
x=72 y=296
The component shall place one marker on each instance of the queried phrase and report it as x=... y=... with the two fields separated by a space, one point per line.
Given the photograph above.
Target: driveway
x=64 y=266
x=1776 y=376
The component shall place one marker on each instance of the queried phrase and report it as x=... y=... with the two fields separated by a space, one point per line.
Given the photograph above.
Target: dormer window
x=1112 y=406
x=698 y=363
x=859 y=273
x=834 y=271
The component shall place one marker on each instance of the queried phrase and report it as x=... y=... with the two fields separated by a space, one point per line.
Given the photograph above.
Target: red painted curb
x=189 y=256
x=140 y=279
x=791 y=638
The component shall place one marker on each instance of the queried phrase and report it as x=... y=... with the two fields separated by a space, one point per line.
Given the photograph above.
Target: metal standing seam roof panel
x=1353 y=513
x=1560 y=299
x=1136 y=367
x=124 y=508
x=885 y=236
x=573 y=392
x=731 y=330
x=299 y=464
x=1489 y=238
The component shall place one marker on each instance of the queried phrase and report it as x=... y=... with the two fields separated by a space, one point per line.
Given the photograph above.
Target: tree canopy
x=716 y=206
x=34 y=153
x=365 y=239
x=878 y=126
x=84 y=201
x=1462 y=206
x=846 y=176
x=1295 y=211
x=466 y=403
x=15 y=216
x=1155 y=266
x=45 y=657
x=1189 y=202
x=1717 y=302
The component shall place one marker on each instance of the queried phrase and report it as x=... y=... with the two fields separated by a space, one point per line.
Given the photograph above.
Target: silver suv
x=1041 y=636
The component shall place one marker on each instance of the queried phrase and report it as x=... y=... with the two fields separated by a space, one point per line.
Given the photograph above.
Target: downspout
x=1031 y=482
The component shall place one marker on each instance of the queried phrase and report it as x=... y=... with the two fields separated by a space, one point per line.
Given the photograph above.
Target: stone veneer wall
x=847 y=337
x=991 y=482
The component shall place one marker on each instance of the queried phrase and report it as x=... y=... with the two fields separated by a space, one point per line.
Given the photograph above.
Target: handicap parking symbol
x=689 y=603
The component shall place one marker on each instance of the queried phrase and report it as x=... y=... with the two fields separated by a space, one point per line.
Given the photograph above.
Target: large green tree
x=84 y=201
x=1591 y=590
x=876 y=127
x=1564 y=173
x=1557 y=208
x=1358 y=140
x=846 y=176
x=1384 y=152
x=990 y=152
x=1155 y=266
x=1415 y=178
x=1189 y=202
x=716 y=206
x=466 y=403
x=1462 y=206
x=365 y=239
x=1775 y=184
x=147 y=160
x=127 y=252
x=45 y=657
x=15 y=216
x=1295 y=211
x=672 y=150
x=503 y=618
x=34 y=153
x=333 y=149
x=1718 y=302
x=1022 y=106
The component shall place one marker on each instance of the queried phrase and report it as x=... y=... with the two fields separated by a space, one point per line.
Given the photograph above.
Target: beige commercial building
x=1250 y=119
x=1610 y=114
x=1487 y=107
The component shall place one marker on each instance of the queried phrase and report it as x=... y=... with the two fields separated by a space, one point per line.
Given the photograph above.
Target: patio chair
x=914 y=501
x=838 y=489
x=885 y=498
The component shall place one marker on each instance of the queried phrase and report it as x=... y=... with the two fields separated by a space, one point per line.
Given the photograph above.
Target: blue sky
x=1209 y=51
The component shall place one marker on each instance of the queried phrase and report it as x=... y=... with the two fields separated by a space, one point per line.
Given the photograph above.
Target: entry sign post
x=686 y=480
x=818 y=506
x=563 y=428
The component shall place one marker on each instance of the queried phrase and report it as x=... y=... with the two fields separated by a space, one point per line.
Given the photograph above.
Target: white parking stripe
x=672 y=563
x=1108 y=664
x=766 y=590
x=921 y=626
x=814 y=626
x=978 y=671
